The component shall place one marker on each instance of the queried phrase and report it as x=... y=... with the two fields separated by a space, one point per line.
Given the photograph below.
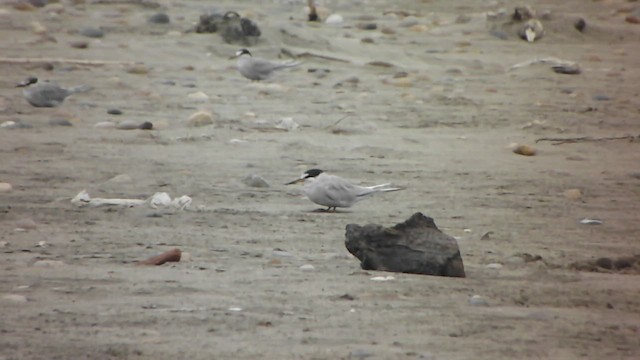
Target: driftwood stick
x=560 y=141
x=64 y=61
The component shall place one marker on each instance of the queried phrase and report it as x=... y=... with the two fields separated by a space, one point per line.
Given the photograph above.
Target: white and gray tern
x=333 y=191
x=257 y=69
x=47 y=94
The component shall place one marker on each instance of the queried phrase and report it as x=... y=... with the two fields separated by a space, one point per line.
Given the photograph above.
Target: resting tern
x=47 y=94
x=333 y=191
x=257 y=69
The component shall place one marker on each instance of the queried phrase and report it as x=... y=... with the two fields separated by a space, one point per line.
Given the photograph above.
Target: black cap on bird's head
x=242 y=52
x=28 y=81
x=312 y=173
x=306 y=175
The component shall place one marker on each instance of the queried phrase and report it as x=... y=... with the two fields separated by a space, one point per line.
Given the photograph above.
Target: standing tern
x=333 y=191
x=257 y=69
x=47 y=94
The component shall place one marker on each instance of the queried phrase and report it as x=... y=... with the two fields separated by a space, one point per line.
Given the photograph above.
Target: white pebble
x=105 y=125
x=200 y=118
x=477 y=300
x=334 y=19
x=5 y=187
x=159 y=199
x=494 y=266
x=235 y=308
x=199 y=96
x=8 y=124
x=382 y=278
x=288 y=124
x=307 y=267
x=281 y=253
x=15 y=298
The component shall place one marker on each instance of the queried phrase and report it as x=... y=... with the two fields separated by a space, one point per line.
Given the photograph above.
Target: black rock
x=580 y=24
x=233 y=28
x=415 y=246
x=92 y=32
x=60 y=122
x=159 y=18
x=114 y=112
x=147 y=125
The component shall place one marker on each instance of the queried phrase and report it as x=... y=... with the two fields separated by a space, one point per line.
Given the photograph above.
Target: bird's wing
x=336 y=190
x=262 y=65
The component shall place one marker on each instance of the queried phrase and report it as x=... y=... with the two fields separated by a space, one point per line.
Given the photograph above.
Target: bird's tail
x=80 y=88
x=384 y=188
x=378 y=188
x=289 y=64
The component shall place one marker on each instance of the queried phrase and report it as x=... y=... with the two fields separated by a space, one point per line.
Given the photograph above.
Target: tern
x=48 y=94
x=333 y=191
x=257 y=69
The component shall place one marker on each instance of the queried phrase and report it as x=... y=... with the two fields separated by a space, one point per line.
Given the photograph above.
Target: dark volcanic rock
x=233 y=28
x=415 y=246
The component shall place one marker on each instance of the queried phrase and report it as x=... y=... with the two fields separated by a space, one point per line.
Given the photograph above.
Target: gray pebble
x=409 y=21
x=159 y=18
x=147 y=125
x=360 y=354
x=477 y=300
x=254 y=180
x=15 y=125
x=92 y=32
x=127 y=125
x=601 y=98
x=367 y=26
x=60 y=122
x=114 y=112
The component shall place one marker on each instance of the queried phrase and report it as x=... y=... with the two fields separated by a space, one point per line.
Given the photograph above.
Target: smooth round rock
x=525 y=150
x=307 y=267
x=334 y=19
x=114 y=112
x=147 y=125
x=105 y=125
x=60 y=122
x=254 y=180
x=159 y=18
x=92 y=32
x=199 y=96
x=477 y=300
x=367 y=26
x=200 y=118
x=79 y=44
x=5 y=187
x=127 y=125
x=573 y=194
